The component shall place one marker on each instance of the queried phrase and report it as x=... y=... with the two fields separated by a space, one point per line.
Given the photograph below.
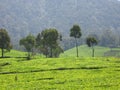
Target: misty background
x=96 y=17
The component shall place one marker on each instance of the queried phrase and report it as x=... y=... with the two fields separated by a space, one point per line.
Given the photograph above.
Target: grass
x=85 y=51
x=60 y=74
x=64 y=73
x=14 y=53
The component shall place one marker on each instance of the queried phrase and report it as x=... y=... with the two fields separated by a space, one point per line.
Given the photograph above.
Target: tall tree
x=91 y=42
x=4 y=41
x=29 y=43
x=75 y=32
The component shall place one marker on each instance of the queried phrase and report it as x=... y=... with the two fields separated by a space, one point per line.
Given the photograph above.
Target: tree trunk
x=51 y=52
x=2 y=52
x=93 y=51
x=28 y=57
x=76 y=47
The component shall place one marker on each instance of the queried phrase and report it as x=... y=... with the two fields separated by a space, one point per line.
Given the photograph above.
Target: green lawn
x=60 y=74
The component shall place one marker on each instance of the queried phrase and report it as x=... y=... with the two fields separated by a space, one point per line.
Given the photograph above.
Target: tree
x=91 y=42
x=4 y=41
x=29 y=43
x=47 y=41
x=75 y=32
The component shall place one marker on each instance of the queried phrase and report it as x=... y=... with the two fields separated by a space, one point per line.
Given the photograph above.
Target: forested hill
x=21 y=17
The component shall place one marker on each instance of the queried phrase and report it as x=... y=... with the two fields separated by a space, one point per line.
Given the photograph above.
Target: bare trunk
x=2 y=52
x=93 y=51
x=51 y=53
x=76 y=47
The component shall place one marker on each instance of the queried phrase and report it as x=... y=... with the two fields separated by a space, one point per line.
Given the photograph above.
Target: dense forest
x=98 y=17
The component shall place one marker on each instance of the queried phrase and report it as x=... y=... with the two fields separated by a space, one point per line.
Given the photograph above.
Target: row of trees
x=46 y=42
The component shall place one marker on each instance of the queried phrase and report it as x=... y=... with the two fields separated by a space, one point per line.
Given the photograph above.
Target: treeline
x=46 y=42
x=50 y=43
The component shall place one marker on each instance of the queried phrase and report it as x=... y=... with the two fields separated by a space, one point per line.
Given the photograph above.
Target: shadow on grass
x=6 y=57
x=5 y=64
x=12 y=57
x=117 y=61
x=106 y=86
x=56 y=69
x=45 y=79
x=23 y=58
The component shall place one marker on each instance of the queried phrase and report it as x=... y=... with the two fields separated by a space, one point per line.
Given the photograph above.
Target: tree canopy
x=4 y=41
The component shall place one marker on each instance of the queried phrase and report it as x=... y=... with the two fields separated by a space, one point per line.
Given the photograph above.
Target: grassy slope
x=60 y=74
x=14 y=53
x=85 y=51
x=66 y=73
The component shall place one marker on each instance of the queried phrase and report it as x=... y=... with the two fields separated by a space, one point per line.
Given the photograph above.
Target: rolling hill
x=85 y=51
x=60 y=74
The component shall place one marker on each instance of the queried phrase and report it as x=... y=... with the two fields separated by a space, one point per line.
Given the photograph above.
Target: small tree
x=91 y=42
x=4 y=41
x=29 y=43
x=75 y=32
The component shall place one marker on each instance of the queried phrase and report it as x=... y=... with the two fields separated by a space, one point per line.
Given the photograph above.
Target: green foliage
x=48 y=44
x=75 y=31
x=4 y=41
x=91 y=41
x=38 y=40
x=50 y=36
x=29 y=43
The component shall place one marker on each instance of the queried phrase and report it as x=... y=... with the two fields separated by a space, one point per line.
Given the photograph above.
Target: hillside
x=60 y=74
x=14 y=53
x=21 y=17
x=85 y=51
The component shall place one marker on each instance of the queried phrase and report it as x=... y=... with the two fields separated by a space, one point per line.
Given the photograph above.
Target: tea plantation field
x=65 y=73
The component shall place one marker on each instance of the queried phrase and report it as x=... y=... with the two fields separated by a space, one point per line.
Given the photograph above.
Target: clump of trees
x=5 y=43
x=48 y=42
